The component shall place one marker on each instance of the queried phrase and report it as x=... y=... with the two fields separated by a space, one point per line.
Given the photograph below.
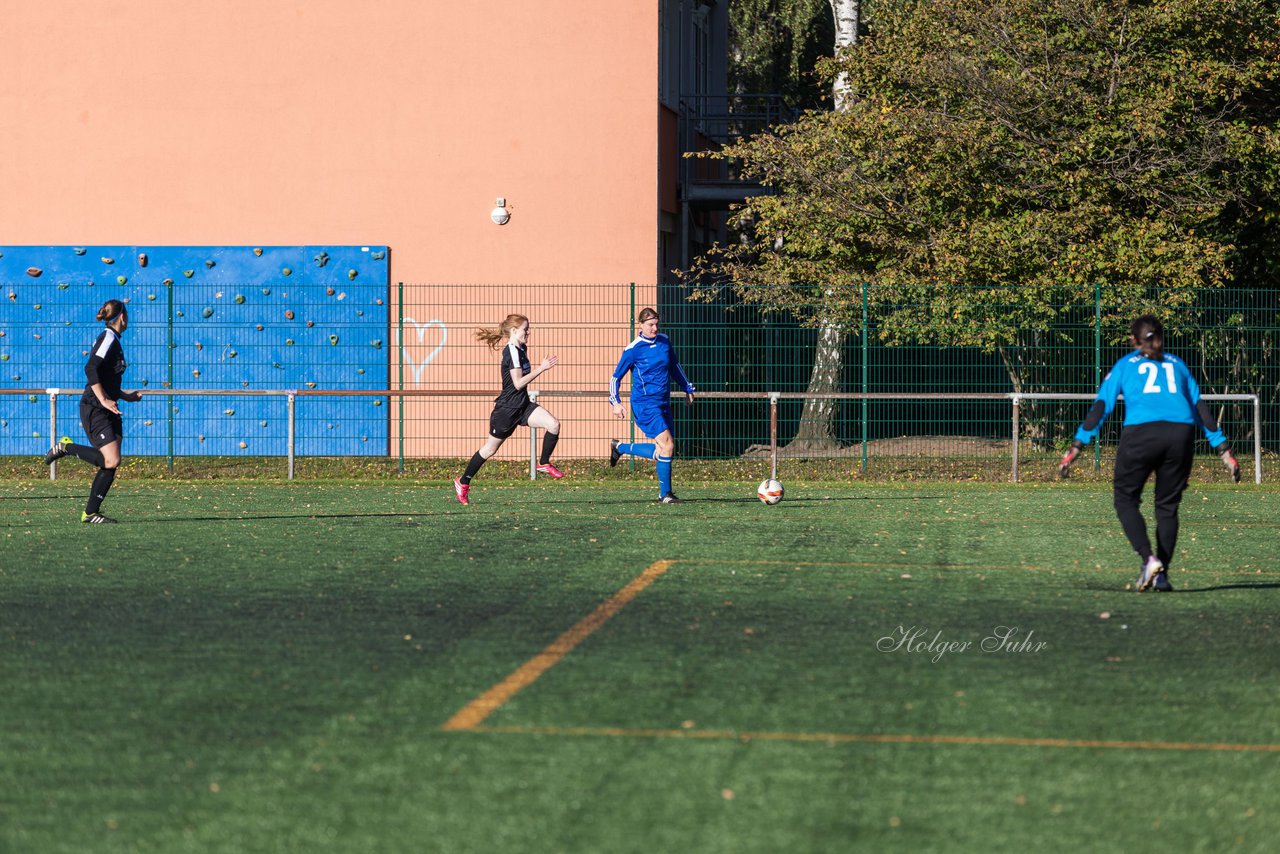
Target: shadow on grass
x=1128 y=588
x=256 y=517
x=742 y=500
x=821 y=499
x=1270 y=585
x=41 y=497
x=162 y=520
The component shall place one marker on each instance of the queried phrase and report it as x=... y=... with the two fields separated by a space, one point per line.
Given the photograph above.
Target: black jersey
x=106 y=365
x=510 y=397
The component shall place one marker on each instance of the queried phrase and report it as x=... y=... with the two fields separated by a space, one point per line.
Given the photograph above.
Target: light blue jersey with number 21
x=1153 y=390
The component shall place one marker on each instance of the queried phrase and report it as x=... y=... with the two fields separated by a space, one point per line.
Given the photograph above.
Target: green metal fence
x=892 y=400
x=1229 y=339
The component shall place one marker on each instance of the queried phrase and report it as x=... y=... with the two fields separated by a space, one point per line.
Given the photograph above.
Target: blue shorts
x=653 y=417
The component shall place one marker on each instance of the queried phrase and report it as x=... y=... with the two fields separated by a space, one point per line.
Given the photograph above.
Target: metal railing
x=709 y=122
x=772 y=400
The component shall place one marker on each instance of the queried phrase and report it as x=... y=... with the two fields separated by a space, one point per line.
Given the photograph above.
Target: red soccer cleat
x=461 y=489
x=550 y=470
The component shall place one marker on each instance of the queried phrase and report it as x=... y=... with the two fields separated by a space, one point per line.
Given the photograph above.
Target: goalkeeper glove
x=1070 y=457
x=1229 y=460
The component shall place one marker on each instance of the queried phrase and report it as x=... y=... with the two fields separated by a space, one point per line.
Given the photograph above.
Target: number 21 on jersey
x=1152 y=372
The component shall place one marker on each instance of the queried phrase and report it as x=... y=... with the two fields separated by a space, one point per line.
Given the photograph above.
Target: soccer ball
x=769 y=491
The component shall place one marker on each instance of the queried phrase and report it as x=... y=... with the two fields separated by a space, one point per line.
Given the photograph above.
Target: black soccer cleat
x=670 y=498
x=58 y=451
x=614 y=456
x=96 y=519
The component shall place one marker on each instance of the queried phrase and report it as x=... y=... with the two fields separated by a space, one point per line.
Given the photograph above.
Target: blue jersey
x=1153 y=390
x=653 y=365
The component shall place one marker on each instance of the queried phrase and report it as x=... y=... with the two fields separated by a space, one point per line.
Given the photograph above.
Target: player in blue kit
x=1162 y=408
x=653 y=365
x=100 y=410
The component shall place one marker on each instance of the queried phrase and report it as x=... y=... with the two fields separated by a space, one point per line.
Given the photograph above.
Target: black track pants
x=1165 y=449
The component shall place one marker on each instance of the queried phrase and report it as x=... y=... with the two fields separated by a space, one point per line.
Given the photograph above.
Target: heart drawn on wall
x=416 y=365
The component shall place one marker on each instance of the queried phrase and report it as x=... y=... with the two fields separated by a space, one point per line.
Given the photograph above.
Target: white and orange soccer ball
x=769 y=491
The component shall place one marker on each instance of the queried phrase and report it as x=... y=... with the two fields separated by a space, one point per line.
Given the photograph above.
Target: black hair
x=1148 y=334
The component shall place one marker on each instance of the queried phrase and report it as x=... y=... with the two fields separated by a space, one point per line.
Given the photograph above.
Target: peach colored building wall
x=251 y=122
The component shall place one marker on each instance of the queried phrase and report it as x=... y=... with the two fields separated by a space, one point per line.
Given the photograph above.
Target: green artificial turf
x=263 y=666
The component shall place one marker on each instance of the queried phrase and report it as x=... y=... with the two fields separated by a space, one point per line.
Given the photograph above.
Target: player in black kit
x=513 y=408
x=99 y=411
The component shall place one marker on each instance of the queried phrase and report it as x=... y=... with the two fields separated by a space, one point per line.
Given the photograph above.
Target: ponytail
x=493 y=337
x=1148 y=336
x=111 y=309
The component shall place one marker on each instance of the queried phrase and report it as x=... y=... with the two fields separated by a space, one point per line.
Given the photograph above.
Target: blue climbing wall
x=272 y=317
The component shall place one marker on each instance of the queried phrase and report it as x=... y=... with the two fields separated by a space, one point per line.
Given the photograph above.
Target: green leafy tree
x=775 y=46
x=1033 y=148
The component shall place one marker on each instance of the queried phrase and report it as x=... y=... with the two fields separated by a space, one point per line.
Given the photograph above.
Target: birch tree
x=816 y=431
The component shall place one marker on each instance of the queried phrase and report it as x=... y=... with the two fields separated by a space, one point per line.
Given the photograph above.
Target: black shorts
x=504 y=420
x=102 y=427
x=1162 y=447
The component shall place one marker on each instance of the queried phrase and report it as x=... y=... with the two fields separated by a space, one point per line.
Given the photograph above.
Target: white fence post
x=53 y=427
x=291 y=401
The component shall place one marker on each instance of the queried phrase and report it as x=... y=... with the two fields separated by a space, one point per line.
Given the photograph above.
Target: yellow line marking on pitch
x=922 y=567
x=869 y=738
x=473 y=713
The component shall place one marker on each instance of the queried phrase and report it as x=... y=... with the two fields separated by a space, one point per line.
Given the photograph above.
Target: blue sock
x=638 y=449
x=664 y=475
